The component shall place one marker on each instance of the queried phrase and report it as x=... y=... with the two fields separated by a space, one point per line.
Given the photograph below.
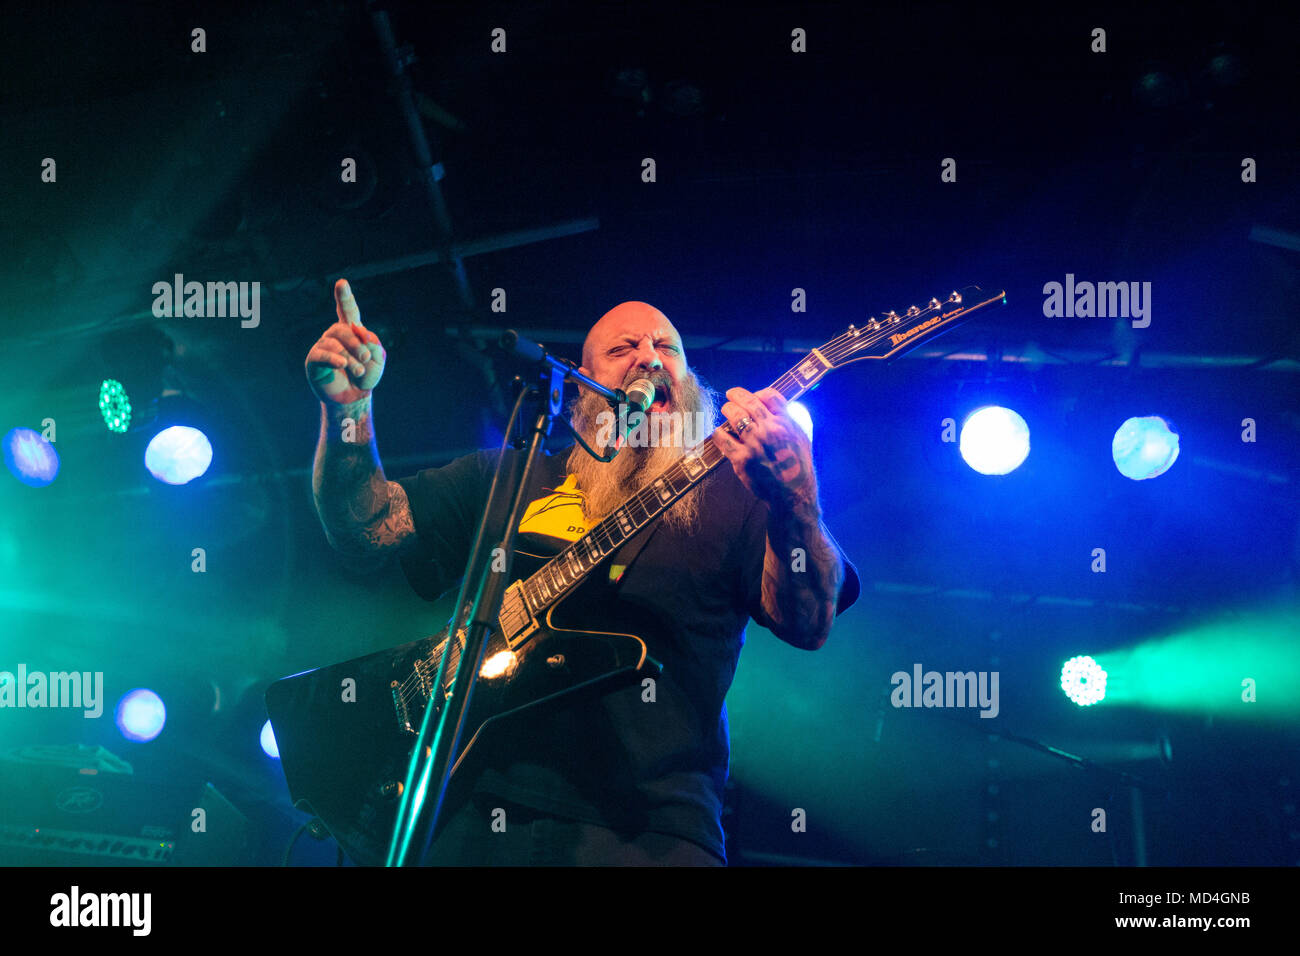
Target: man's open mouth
x=663 y=398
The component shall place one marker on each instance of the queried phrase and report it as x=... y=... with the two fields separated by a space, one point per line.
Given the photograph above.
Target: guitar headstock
x=894 y=333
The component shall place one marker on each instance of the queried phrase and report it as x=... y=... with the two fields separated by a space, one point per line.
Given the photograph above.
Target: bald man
x=635 y=775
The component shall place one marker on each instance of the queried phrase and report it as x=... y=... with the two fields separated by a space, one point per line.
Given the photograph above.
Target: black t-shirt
x=618 y=759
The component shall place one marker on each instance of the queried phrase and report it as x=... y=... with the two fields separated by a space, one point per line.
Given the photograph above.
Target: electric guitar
x=345 y=732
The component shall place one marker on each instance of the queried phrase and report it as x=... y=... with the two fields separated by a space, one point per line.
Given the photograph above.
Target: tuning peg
x=934 y=304
x=873 y=324
x=892 y=316
x=913 y=310
x=955 y=297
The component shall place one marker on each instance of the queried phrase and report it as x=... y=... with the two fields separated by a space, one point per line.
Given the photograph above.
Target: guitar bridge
x=399 y=705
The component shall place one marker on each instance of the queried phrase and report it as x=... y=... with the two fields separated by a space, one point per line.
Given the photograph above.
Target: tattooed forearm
x=362 y=512
x=802 y=573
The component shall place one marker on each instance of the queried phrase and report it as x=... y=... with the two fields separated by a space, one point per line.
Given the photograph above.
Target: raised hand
x=348 y=360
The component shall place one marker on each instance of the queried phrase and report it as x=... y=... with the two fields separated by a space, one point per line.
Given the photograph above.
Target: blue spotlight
x=269 y=746
x=30 y=458
x=140 y=715
x=1144 y=448
x=799 y=412
x=178 y=454
x=994 y=440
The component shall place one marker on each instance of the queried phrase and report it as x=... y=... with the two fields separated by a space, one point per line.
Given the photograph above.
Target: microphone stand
x=478 y=604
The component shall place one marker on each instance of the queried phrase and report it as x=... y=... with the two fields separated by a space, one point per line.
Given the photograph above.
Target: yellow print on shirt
x=558 y=514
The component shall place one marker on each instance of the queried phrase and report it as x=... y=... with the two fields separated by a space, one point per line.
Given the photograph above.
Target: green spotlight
x=1244 y=665
x=114 y=405
x=1083 y=680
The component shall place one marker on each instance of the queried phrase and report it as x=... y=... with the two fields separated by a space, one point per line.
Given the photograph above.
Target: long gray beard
x=605 y=486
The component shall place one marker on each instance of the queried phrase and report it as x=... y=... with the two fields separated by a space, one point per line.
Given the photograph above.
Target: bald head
x=631 y=327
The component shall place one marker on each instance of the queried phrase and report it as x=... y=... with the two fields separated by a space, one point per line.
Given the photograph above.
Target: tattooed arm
x=802 y=569
x=802 y=573
x=364 y=514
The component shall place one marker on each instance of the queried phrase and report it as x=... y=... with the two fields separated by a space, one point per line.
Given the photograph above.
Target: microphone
x=640 y=396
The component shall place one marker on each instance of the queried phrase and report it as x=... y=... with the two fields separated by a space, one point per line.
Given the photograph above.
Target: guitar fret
x=810 y=368
x=662 y=489
x=609 y=534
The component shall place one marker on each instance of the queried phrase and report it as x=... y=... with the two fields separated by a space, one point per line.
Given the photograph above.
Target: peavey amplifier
x=82 y=806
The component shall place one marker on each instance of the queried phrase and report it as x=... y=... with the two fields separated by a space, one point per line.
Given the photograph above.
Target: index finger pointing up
x=345 y=305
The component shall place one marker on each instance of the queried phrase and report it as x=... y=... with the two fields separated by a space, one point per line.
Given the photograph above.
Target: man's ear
x=584 y=371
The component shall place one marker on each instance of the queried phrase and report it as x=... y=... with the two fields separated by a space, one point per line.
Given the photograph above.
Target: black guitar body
x=345 y=732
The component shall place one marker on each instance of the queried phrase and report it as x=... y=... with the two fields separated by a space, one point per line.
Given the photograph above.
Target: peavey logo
x=79 y=800
x=904 y=336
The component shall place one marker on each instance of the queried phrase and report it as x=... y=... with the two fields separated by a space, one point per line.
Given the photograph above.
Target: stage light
x=799 y=412
x=1144 y=448
x=30 y=458
x=114 y=405
x=1083 y=680
x=140 y=715
x=269 y=746
x=178 y=454
x=994 y=440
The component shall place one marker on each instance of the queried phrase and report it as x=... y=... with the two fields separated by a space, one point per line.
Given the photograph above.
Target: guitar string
x=834 y=350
